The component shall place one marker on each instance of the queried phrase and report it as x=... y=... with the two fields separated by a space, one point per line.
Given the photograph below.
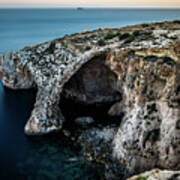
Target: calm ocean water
x=44 y=158
x=24 y=27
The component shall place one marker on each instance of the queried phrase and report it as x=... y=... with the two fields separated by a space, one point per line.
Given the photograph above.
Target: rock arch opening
x=91 y=91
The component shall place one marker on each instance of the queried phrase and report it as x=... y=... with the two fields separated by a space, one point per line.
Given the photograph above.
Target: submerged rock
x=97 y=147
x=137 y=68
x=84 y=121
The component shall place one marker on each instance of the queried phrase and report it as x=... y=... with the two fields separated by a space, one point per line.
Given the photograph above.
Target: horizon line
x=43 y=6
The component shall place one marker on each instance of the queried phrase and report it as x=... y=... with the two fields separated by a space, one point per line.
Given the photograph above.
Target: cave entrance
x=91 y=92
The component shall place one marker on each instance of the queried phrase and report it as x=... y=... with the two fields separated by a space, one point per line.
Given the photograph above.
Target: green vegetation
x=101 y=42
x=27 y=48
x=88 y=48
x=159 y=23
x=111 y=35
x=124 y=36
x=147 y=33
x=52 y=47
x=136 y=33
x=177 y=21
x=141 y=178
x=130 y=39
x=145 y=25
x=127 y=37
x=93 y=36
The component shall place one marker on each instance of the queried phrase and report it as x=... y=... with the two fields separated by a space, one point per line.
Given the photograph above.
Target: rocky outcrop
x=43 y=67
x=137 y=68
x=149 y=135
x=157 y=174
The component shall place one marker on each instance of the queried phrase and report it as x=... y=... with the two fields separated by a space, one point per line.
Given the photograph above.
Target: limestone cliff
x=157 y=174
x=141 y=63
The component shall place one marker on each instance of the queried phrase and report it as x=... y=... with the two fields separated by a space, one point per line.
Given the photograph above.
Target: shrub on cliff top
x=111 y=35
x=124 y=36
x=101 y=42
x=141 y=178
x=177 y=21
x=145 y=25
x=129 y=39
x=51 y=47
x=87 y=48
x=136 y=33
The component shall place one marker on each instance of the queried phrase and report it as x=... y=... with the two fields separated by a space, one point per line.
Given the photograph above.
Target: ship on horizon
x=80 y=8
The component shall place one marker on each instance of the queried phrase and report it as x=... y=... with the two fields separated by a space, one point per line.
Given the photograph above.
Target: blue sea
x=26 y=27
x=46 y=158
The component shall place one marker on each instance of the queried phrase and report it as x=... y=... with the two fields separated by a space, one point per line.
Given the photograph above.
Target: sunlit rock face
x=137 y=68
x=14 y=73
x=158 y=174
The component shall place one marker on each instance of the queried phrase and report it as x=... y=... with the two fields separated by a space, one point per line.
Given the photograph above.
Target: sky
x=90 y=3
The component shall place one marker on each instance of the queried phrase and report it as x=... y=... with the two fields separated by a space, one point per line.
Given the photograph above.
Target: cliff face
x=46 y=67
x=136 y=67
x=149 y=134
x=158 y=174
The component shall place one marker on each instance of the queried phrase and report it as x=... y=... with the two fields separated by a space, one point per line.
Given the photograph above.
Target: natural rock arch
x=148 y=76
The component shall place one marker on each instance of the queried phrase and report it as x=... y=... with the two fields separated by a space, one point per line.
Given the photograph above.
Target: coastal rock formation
x=149 y=134
x=47 y=68
x=157 y=174
x=137 y=68
x=93 y=83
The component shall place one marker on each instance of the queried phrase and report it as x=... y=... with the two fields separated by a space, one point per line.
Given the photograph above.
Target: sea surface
x=26 y=27
x=49 y=157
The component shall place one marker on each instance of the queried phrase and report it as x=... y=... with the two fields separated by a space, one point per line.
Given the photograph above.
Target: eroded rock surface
x=149 y=135
x=157 y=174
x=136 y=67
x=93 y=83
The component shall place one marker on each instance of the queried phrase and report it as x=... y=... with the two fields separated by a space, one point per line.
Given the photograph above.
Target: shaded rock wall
x=93 y=83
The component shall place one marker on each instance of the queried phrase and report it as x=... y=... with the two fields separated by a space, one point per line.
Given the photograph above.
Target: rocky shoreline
x=134 y=72
x=157 y=174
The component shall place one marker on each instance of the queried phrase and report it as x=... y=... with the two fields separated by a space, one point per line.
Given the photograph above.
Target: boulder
x=84 y=121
